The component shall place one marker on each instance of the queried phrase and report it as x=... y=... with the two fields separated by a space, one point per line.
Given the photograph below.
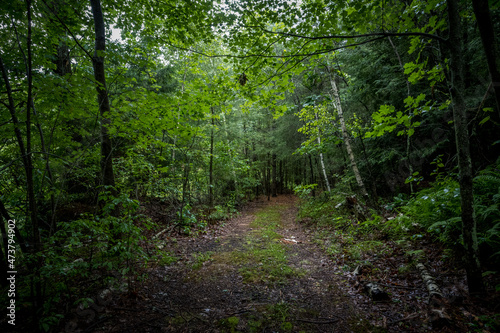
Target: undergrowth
x=94 y=252
x=434 y=211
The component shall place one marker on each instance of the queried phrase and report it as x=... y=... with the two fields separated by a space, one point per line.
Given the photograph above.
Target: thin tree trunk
x=457 y=92
x=274 y=186
x=35 y=282
x=347 y=140
x=408 y=138
x=107 y=174
x=29 y=160
x=211 y=167
x=178 y=116
x=284 y=187
x=185 y=184
x=233 y=169
x=268 y=177
x=280 y=187
x=40 y=131
x=321 y=180
x=304 y=170
x=311 y=176
x=323 y=169
x=483 y=18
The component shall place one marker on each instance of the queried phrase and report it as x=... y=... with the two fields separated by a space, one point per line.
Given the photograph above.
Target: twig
x=326 y=321
x=100 y=321
x=396 y=286
x=239 y=312
x=412 y=316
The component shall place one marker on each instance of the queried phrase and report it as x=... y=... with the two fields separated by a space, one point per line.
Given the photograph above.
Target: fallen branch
x=409 y=317
x=437 y=303
x=396 y=286
x=429 y=281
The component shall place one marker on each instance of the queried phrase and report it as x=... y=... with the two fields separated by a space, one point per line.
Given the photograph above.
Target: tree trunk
x=177 y=124
x=311 y=176
x=347 y=140
x=62 y=59
x=321 y=180
x=268 y=177
x=304 y=171
x=274 y=185
x=408 y=137
x=483 y=18
x=211 y=167
x=185 y=185
x=323 y=169
x=280 y=187
x=36 y=284
x=457 y=92
x=107 y=174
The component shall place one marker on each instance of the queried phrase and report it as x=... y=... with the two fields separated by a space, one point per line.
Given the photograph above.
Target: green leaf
x=485 y=119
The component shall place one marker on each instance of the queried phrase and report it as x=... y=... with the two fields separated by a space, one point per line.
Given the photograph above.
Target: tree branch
x=378 y=34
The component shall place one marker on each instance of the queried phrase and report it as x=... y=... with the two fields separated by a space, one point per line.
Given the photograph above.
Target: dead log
x=437 y=303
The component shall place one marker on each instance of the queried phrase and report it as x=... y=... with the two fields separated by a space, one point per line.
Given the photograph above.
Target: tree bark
x=280 y=187
x=483 y=18
x=274 y=185
x=457 y=92
x=107 y=174
x=311 y=176
x=438 y=315
x=268 y=177
x=323 y=169
x=211 y=167
x=347 y=140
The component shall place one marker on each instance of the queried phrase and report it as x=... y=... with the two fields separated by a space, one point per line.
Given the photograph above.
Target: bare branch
x=378 y=34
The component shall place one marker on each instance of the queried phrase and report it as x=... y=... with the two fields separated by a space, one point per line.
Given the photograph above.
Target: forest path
x=262 y=273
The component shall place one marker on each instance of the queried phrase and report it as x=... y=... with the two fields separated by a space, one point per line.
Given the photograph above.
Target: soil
x=206 y=289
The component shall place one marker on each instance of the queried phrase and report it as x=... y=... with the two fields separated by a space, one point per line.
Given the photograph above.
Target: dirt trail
x=262 y=273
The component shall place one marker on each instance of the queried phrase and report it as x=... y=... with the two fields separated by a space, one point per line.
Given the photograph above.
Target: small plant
x=304 y=191
x=230 y=323
x=200 y=258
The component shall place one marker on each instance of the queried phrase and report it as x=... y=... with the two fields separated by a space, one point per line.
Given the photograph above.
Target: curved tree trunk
x=347 y=140
x=323 y=169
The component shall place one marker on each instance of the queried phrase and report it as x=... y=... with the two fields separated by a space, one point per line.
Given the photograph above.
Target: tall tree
x=457 y=92
x=107 y=174
x=345 y=134
x=490 y=45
